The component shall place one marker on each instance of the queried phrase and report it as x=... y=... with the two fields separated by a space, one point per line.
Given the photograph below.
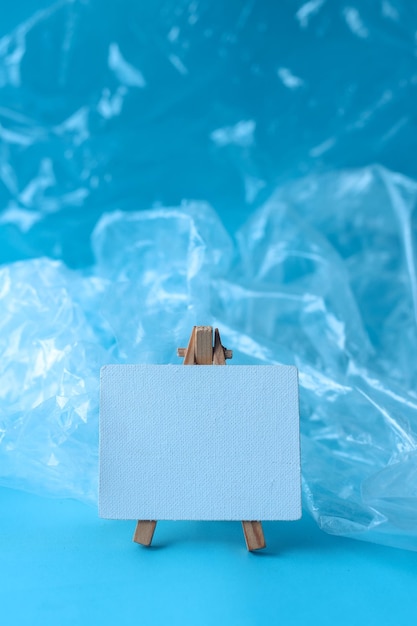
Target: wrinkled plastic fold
x=300 y=285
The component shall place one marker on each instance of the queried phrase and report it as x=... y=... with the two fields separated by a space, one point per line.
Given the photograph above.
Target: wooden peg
x=219 y=356
x=254 y=536
x=204 y=345
x=144 y=532
x=189 y=356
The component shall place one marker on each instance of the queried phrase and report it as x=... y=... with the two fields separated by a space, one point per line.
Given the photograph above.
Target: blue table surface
x=61 y=564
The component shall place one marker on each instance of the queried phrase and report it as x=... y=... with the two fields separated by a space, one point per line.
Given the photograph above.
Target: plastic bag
x=262 y=111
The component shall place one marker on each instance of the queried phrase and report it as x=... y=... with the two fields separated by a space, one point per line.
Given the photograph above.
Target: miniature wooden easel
x=200 y=351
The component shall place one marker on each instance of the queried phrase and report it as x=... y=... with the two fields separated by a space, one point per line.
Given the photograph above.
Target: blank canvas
x=199 y=443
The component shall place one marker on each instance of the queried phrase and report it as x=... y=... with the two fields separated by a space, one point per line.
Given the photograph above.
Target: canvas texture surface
x=199 y=443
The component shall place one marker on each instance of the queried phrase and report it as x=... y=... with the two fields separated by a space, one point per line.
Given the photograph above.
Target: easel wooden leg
x=144 y=532
x=254 y=535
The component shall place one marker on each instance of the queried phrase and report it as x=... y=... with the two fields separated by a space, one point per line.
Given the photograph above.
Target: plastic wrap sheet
x=112 y=113
x=122 y=104
x=150 y=284
x=327 y=280
x=303 y=287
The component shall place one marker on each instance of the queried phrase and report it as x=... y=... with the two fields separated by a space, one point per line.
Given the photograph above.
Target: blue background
x=59 y=563
x=359 y=92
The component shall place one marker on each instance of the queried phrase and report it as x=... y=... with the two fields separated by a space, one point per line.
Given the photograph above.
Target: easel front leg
x=254 y=535
x=144 y=532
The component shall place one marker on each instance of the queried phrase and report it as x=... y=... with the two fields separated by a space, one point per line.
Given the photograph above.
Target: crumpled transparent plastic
x=150 y=285
x=111 y=114
x=327 y=280
x=302 y=288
